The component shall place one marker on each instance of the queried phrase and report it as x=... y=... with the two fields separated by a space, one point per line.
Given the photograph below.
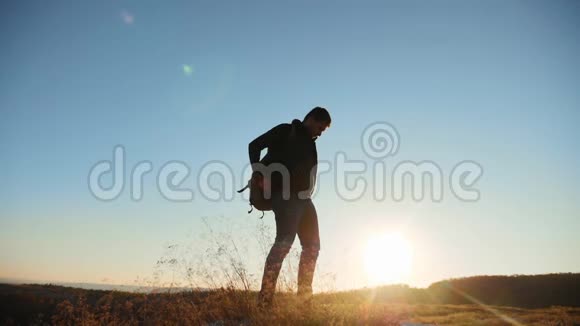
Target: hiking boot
x=305 y=299
x=264 y=301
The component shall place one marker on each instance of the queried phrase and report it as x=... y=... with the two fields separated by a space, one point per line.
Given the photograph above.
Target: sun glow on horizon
x=388 y=259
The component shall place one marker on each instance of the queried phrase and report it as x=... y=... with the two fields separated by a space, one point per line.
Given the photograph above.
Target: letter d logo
x=118 y=174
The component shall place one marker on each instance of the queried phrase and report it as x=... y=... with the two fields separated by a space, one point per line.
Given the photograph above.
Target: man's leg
x=272 y=269
x=310 y=241
x=287 y=214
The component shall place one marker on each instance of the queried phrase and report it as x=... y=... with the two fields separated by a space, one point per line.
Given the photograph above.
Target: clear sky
x=496 y=82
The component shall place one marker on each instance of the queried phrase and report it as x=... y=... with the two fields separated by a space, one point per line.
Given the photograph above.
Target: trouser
x=294 y=216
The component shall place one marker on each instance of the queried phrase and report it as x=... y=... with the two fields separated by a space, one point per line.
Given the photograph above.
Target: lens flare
x=187 y=70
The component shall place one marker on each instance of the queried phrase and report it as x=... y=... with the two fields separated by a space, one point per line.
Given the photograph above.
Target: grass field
x=49 y=304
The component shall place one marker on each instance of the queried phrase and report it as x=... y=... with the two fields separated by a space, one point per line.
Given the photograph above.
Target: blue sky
x=496 y=82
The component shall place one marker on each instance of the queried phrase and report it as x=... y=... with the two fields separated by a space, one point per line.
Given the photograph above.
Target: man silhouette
x=293 y=146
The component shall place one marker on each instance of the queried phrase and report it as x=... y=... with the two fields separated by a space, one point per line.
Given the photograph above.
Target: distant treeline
x=525 y=291
x=34 y=304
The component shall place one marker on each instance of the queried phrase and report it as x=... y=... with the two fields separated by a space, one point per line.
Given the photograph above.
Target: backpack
x=257 y=183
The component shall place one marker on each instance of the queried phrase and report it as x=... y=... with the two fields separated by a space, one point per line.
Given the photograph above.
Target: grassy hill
x=552 y=299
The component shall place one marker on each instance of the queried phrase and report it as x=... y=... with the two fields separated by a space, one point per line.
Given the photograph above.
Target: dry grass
x=230 y=295
x=235 y=307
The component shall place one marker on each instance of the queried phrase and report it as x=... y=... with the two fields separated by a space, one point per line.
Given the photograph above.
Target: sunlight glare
x=388 y=259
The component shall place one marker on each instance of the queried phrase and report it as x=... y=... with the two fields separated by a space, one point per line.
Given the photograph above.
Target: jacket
x=297 y=152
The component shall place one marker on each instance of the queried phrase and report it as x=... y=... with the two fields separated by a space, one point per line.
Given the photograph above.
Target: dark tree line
x=526 y=291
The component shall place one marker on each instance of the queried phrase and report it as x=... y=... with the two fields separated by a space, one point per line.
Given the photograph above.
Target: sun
x=388 y=259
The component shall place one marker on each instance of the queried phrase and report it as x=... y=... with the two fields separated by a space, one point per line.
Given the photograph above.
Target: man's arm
x=266 y=140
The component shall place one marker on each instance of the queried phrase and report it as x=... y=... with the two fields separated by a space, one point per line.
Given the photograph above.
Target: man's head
x=316 y=121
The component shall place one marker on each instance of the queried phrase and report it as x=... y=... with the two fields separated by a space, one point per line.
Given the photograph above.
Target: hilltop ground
x=50 y=304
